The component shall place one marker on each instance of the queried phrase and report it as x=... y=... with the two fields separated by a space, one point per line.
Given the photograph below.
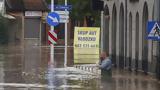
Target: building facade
x=28 y=25
x=124 y=33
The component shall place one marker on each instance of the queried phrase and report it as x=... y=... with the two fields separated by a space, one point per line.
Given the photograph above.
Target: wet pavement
x=29 y=68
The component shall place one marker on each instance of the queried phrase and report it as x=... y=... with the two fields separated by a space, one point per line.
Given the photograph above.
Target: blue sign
x=61 y=7
x=53 y=19
x=154 y=30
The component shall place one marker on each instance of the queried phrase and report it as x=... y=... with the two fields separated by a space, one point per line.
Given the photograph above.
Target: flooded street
x=29 y=68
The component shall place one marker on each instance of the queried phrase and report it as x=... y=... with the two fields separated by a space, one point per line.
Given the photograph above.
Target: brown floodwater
x=30 y=68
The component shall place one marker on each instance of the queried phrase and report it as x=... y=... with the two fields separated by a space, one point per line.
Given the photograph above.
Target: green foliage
x=81 y=9
x=48 y=1
x=3 y=30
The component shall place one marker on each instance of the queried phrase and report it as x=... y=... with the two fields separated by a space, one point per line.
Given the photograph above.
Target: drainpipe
x=125 y=63
x=159 y=41
x=157 y=18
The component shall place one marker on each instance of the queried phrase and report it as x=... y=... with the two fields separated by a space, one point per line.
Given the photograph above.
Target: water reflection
x=70 y=78
x=11 y=65
x=52 y=82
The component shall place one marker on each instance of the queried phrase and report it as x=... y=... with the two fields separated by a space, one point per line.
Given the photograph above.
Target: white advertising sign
x=63 y=12
x=64 y=16
x=33 y=13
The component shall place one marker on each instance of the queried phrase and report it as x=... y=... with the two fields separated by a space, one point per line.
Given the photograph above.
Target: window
x=134 y=0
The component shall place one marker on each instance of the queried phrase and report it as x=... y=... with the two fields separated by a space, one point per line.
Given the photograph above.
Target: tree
x=81 y=9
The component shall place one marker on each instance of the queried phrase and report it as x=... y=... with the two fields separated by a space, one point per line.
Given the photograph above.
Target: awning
x=26 y=5
x=8 y=16
x=14 y=5
x=35 y=5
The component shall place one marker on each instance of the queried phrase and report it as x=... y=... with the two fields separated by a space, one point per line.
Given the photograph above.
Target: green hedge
x=3 y=30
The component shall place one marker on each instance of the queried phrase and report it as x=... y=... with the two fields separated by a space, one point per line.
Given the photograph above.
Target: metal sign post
x=65 y=55
x=53 y=20
x=102 y=31
x=52 y=28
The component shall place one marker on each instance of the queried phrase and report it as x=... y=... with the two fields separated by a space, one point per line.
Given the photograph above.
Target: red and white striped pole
x=52 y=37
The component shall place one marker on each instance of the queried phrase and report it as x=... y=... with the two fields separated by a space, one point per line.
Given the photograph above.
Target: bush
x=3 y=30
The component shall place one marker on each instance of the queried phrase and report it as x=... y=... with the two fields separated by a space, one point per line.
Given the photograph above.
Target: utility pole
x=66 y=45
